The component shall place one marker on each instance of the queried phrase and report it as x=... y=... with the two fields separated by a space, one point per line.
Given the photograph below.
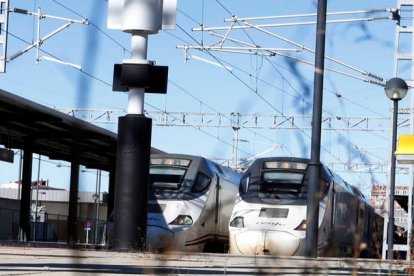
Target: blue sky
x=266 y=85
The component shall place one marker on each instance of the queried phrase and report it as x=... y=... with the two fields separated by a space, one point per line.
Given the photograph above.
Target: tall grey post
x=395 y=89
x=391 y=219
x=312 y=211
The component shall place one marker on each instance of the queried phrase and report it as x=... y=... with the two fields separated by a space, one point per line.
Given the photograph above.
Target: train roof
x=256 y=163
x=283 y=158
x=225 y=172
x=177 y=155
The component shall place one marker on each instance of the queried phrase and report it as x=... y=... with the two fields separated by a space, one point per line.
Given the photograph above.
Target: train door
x=204 y=183
x=226 y=192
x=223 y=206
x=212 y=219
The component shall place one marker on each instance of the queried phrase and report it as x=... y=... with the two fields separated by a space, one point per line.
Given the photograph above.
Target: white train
x=191 y=199
x=269 y=217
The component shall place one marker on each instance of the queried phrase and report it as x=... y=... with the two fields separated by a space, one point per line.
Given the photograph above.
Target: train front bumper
x=159 y=238
x=265 y=242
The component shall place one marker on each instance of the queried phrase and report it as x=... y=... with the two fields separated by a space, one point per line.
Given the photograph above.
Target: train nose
x=265 y=242
x=159 y=238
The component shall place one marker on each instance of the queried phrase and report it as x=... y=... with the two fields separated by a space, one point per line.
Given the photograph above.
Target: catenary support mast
x=312 y=212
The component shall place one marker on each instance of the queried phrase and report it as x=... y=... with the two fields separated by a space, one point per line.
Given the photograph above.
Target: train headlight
x=182 y=220
x=301 y=226
x=237 y=222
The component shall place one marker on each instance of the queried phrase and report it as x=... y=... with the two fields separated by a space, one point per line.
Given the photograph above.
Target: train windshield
x=168 y=179
x=282 y=180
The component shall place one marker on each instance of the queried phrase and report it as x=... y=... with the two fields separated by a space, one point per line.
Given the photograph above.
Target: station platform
x=56 y=260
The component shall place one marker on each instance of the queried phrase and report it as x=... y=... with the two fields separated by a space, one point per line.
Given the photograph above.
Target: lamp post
x=95 y=198
x=312 y=205
x=395 y=89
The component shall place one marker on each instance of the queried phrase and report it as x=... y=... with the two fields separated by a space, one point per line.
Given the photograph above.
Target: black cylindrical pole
x=312 y=212
x=390 y=229
x=131 y=188
x=72 y=226
x=24 y=224
x=111 y=193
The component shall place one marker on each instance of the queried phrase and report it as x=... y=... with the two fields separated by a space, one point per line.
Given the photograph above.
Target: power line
x=220 y=120
x=207 y=50
x=247 y=85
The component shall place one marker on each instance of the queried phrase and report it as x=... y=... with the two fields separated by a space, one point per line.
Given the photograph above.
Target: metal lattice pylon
x=403 y=59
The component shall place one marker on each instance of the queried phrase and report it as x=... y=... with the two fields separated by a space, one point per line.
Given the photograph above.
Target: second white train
x=269 y=217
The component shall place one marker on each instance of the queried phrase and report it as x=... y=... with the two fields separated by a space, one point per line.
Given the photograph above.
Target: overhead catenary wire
x=306 y=15
x=257 y=50
x=313 y=51
x=260 y=27
x=119 y=45
x=334 y=13
x=256 y=93
x=41 y=40
x=94 y=25
x=262 y=98
x=280 y=25
x=264 y=81
x=240 y=42
x=214 y=110
x=338 y=133
x=109 y=84
x=52 y=55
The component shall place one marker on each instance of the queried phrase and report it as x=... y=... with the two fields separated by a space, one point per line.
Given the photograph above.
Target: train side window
x=324 y=181
x=201 y=183
x=244 y=184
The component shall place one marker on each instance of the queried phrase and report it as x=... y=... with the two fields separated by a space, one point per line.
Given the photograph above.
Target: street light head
x=95 y=197
x=396 y=89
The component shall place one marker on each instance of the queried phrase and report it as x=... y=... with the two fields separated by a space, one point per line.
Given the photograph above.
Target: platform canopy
x=55 y=134
x=405 y=150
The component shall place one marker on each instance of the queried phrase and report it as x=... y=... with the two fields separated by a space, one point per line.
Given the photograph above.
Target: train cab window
x=167 y=182
x=166 y=177
x=201 y=183
x=281 y=180
x=282 y=184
